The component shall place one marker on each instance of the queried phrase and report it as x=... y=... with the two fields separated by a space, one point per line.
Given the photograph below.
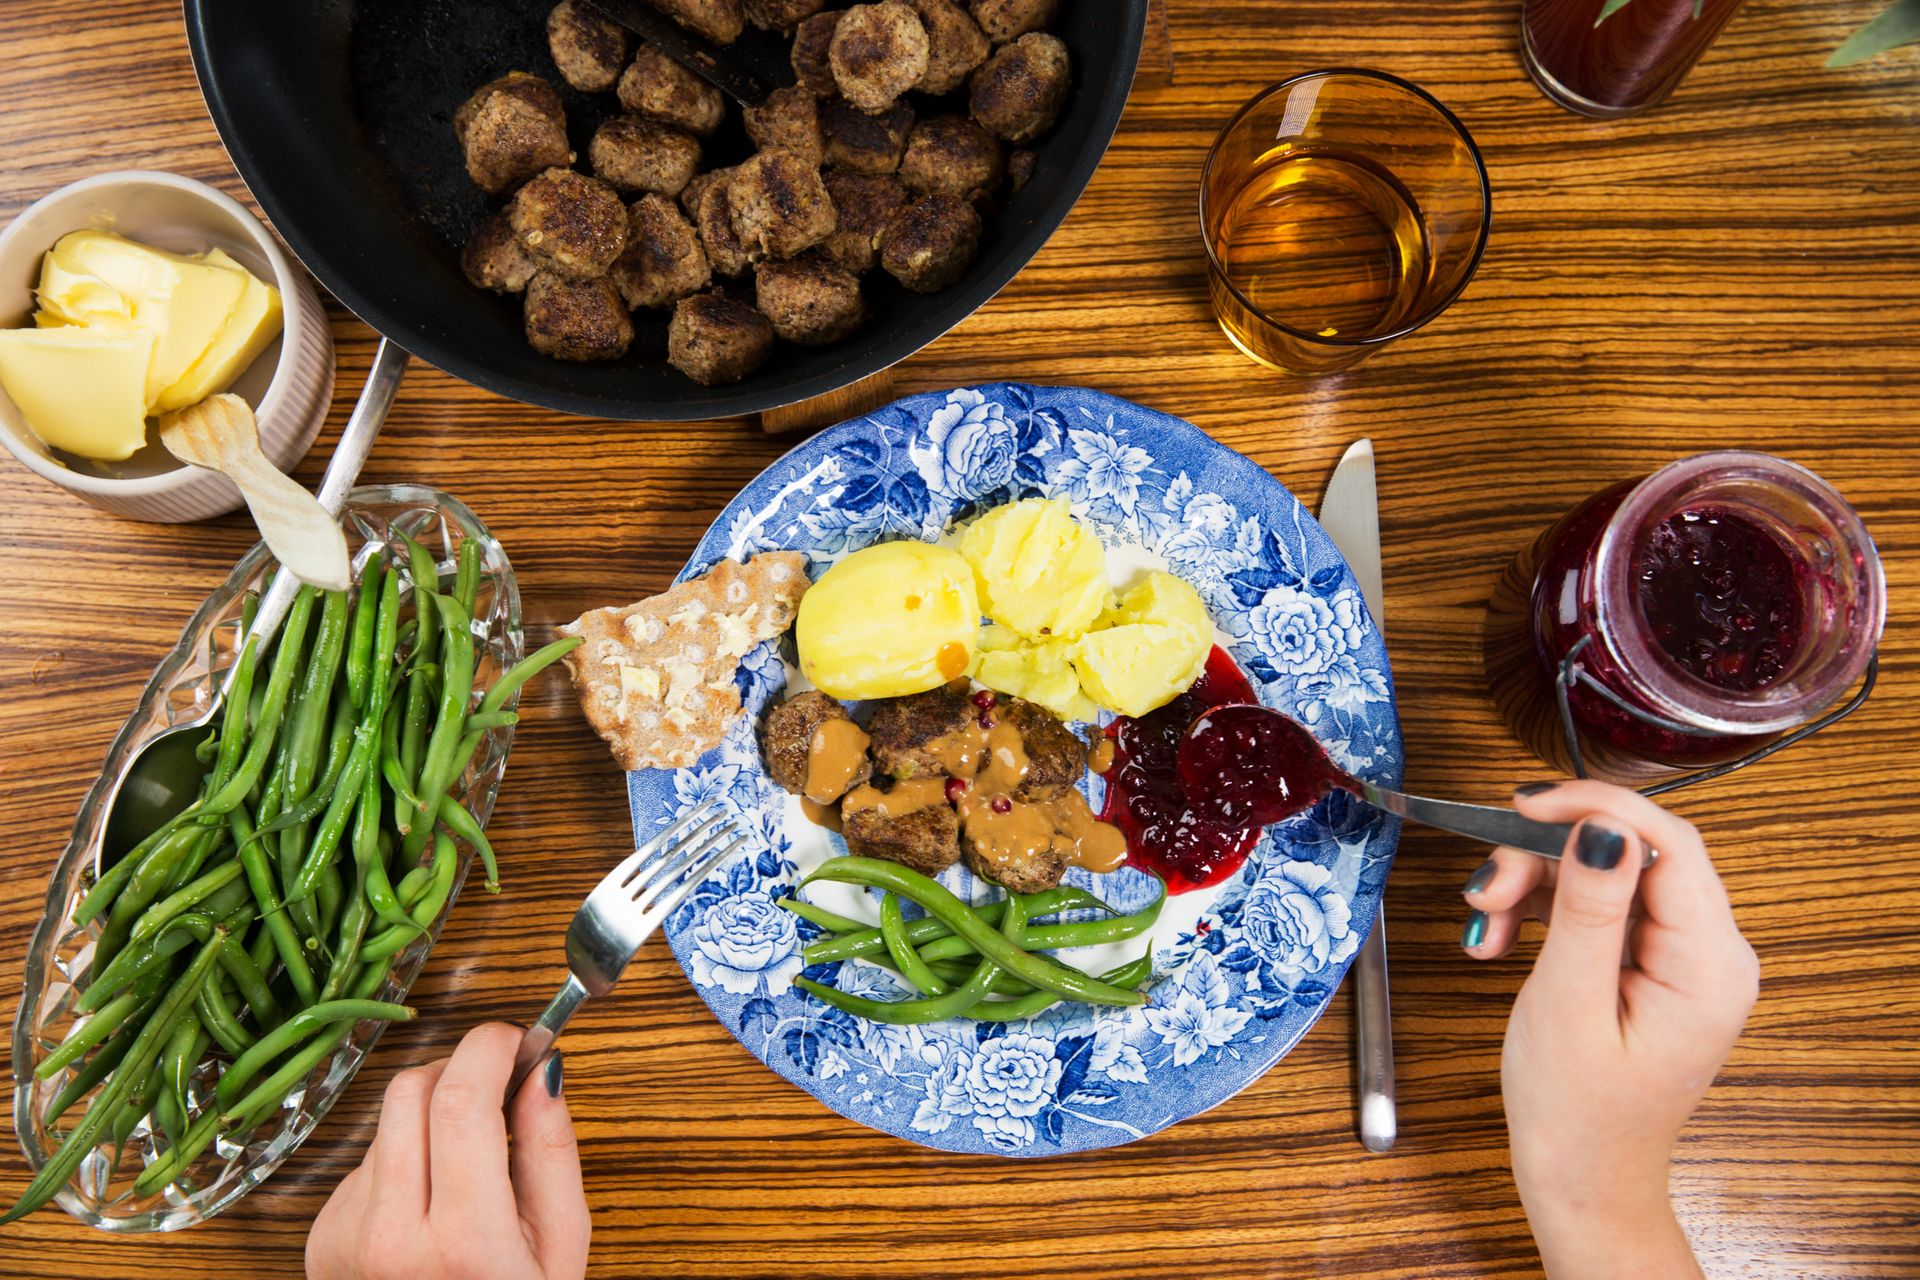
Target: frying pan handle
x=356 y=442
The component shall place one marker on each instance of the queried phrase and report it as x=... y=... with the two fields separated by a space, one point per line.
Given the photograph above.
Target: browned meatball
x=576 y=319
x=529 y=88
x=714 y=339
x=588 y=46
x=879 y=51
x=573 y=225
x=926 y=839
x=1018 y=93
x=929 y=244
x=951 y=156
x=790 y=120
x=781 y=15
x=659 y=88
x=720 y=21
x=864 y=143
x=1005 y=20
x=713 y=220
x=1056 y=757
x=494 y=259
x=643 y=155
x=812 y=41
x=908 y=736
x=808 y=299
x=510 y=130
x=955 y=45
x=697 y=186
x=786 y=742
x=663 y=261
x=1030 y=870
x=779 y=205
x=862 y=205
x=1020 y=165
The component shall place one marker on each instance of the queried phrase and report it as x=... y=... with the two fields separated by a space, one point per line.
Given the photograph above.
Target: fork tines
x=661 y=873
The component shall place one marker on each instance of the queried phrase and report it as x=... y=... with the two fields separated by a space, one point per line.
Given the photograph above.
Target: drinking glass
x=1341 y=209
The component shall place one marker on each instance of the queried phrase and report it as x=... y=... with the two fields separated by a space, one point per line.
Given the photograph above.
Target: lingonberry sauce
x=1246 y=766
x=1722 y=597
x=1146 y=800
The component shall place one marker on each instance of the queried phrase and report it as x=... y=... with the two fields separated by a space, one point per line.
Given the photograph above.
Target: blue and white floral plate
x=1241 y=970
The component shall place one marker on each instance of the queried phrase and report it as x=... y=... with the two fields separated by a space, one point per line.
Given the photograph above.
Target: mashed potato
x=1042 y=574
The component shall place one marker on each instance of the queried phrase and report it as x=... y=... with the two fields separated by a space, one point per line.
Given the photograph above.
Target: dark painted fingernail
x=556 y=1070
x=1534 y=788
x=1483 y=876
x=1598 y=847
x=1476 y=931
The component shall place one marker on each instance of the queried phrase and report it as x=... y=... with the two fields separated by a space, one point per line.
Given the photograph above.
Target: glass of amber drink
x=1341 y=210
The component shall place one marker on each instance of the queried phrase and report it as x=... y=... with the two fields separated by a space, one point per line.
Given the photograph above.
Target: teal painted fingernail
x=1599 y=847
x=556 y=1071
x=1476 y=931
x=1482 y=877
x=1534 y=788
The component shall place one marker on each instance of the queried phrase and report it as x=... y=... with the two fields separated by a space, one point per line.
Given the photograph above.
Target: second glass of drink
x=1341 y=210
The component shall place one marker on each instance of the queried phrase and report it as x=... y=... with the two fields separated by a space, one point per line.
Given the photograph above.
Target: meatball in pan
x=878 y=52
x=634 y=154
x=863 y=203
x=808 y=299
x=576 y=319
x=865 y=143
x=657 y=87
x=715 y=340
x=588 y=47
x=788 y=120
x=493 y=258
x=510 y=130
x=720 y=21
x=811 y=53
x=955 y=45
x=781 y=15
x=1004 y=20
x=663 y=261
x=1018 y=93
x=951 y=156
x=929 y=244
x=779 y=205
x=713 y=220
x=572 y=225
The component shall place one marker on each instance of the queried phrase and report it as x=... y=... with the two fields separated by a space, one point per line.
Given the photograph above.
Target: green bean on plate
x=959 y=956
x=189 y=993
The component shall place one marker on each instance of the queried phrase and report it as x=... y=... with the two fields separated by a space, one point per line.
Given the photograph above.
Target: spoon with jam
x=1243 y=766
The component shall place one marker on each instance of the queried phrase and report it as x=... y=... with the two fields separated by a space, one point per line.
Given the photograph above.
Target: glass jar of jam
x=1619 y=63
x=1698 y=612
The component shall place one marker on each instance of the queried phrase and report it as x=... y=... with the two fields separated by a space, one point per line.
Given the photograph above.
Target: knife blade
x=738 y=70
x=1350 y=513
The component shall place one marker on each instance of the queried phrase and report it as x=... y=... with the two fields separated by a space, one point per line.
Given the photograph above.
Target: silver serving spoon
x=1266 y=766
x=163 y=776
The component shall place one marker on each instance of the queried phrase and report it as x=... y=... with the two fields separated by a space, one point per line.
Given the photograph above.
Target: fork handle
x=537 y=1041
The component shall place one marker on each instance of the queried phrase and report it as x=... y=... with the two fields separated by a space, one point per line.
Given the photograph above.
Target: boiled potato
x=889 y=620
x=1153 y=647
x=1041 y=573
x=1040 y=673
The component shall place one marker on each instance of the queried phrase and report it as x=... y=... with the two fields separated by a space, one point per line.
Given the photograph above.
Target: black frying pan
x=338 y=115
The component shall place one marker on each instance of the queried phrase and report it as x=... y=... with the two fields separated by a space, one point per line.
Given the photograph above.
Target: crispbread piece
x=655 y=679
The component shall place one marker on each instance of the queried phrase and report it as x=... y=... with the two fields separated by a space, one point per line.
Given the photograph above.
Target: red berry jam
x=985 y=700
x=1145 y=798
x=1722 y=598
x=1247 y=766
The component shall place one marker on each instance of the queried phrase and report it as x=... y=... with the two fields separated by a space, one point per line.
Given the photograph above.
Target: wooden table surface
x=1739 y=268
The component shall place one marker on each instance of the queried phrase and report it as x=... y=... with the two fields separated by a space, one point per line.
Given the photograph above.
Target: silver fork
x=622 y=912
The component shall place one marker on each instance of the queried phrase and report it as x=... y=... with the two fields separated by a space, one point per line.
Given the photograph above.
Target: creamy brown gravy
x=907 y=797
x=836 y=754
x=1101 y=758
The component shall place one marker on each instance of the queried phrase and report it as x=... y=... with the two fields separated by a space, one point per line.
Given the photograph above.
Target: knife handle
x=1373 y=1040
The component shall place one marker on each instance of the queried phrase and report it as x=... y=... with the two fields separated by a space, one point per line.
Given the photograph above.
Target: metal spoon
x=1277 y=794
x=162 y=777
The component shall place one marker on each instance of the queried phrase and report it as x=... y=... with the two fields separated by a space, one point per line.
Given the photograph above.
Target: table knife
x=1350 y=513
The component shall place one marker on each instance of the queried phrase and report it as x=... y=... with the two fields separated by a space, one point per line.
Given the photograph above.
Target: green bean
x=208 y=749
x=339 y=748
x=466 y=827
x=824 y=918
x=466 y=578
x=445 y=863
x=456 y=688
x=390 y=942
x=260 y=879
x=371 y=860
x=92 y=1071
x=105 y=1021
x=146 y=883
x=414 y=724
x=326 y=841
x=212 y=841
x=938 y=901
x=860 y=941
x=271 y=1092
x=488 y=721
x=328 y=896
x=189 y=895
x=412 y=885
x=1051 y=937
x=406 y=804
x=307 y=724
x=907 y=1012
x=286 y=660
x=177 y=1061
x=506 y=687
x=200 y=1134
x=292 y=1032
x=233 y=720
x=346 y=953
x=138 y=1064
x=366 y=607
x=893 y=927
x=220 y=1020
x=1131 y=974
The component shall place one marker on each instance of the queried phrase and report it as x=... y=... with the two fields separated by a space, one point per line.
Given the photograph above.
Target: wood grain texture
x=1739 y=268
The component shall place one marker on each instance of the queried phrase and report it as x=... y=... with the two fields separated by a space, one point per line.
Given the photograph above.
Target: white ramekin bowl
x=289 y=386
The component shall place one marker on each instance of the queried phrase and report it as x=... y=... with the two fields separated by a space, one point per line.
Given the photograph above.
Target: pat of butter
x=255 y=322
x=80 y=389
x=184 y=301
x=70 y=294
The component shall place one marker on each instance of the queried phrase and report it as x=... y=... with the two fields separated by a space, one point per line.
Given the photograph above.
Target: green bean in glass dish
x=243 y=928
x=958 y=955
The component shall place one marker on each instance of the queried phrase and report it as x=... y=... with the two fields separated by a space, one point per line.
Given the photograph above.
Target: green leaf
x=1614 y=6
x=1899 y=24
